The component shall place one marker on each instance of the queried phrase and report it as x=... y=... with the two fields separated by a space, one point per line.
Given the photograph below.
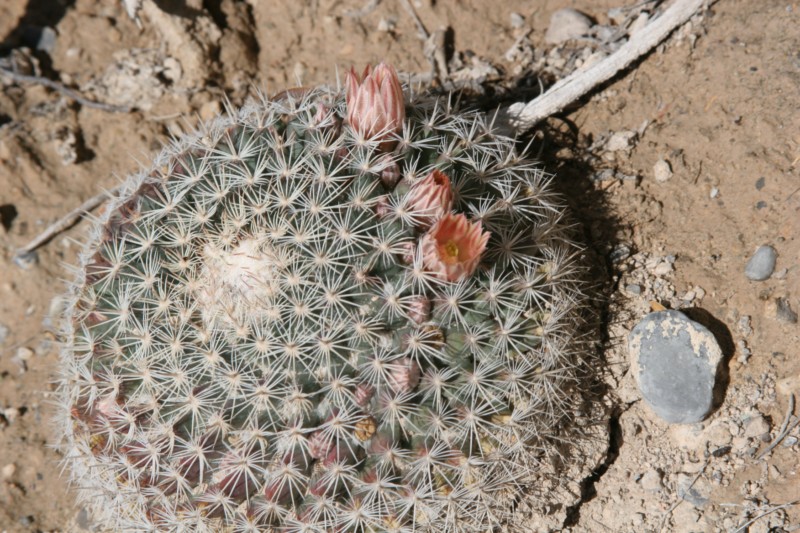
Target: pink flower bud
x=430 y=198
x=452 y=248
x=319 y=446
x=404 y=377
x=419 y=309
x=375 y=104
x=363 y=394
x=390 y=173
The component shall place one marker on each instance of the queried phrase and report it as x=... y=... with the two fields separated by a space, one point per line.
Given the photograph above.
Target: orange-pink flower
x=453 y=247
x=430 y=198
x=375 y=105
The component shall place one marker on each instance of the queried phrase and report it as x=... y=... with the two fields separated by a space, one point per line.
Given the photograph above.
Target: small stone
x=26 y=260
x=744 y=351
x=762 y=264
x=662 y=269
x=651 y=480
x=781 y=274
x=387 y=25
x=784 y=311
x=24 y=353
x=700 y=293
x=774 y=473
x=744 y=325
x=620 y=253
x=714 y=192
x=47 y=40
x=760 y=183
x=621 y=141
x=8 y=471
x=633 y=288
x=662 y=171
x=675 y=362
x=4 y=331
x=567 y=24
x=756 y=426
x=693 y=490
x=517 y=20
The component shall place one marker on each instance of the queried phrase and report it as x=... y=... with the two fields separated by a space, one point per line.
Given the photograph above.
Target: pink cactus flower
x=430 y=198
x=375 y=105
x=453 y=247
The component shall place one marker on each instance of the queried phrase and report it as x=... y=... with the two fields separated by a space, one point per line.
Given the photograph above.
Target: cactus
x=341 y=311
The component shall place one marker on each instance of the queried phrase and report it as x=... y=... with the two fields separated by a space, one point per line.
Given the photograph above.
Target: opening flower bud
x=430 y=198
x=453 y=246
x=375 y=105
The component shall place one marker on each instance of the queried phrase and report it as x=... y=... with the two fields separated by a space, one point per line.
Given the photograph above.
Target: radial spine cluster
x=293 y=324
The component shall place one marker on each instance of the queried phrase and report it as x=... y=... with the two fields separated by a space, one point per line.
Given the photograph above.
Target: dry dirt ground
x=718 y=102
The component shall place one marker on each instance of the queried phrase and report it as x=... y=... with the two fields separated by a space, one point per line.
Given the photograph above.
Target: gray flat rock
x=675 y=362
x=762 y=264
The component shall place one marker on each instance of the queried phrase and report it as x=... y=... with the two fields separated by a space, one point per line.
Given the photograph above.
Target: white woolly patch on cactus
x=236 y=284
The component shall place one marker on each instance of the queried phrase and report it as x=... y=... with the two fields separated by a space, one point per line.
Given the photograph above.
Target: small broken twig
x=787 y=426
x=423 y=33
x=769 y=511
x=66 y=91
x=523 y=116
x=67 y=221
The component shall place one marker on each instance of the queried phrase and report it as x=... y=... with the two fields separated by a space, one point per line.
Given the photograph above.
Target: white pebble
x=567 y=24
x=662 y=171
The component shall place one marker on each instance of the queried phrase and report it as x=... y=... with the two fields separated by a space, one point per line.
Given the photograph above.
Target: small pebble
x=621 y=141
x=633 y=288
x=760 y=183
x=4 y=331
x=662 y=171
x=756 y=426
x=762 y=264
x=517 y=20
x=714 y=192
x=744 y=351
x=8 y=471
x=26 y=260
x=651 y=480
x=567 y=24
x=784 y=311
x=675 y=362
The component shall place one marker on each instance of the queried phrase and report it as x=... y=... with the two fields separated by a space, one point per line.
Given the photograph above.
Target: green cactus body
x=254 y=341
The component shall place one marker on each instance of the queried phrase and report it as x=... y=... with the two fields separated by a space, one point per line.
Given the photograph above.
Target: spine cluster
x=324 y=313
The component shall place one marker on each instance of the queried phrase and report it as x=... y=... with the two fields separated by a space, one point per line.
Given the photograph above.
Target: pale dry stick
x=523 y=116
x=784 y=429
x=66 y=221
x=752 y=521
x=423 y=32
x=66 y=91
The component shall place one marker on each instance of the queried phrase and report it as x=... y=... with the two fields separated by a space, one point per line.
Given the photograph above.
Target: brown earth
x=720 y=101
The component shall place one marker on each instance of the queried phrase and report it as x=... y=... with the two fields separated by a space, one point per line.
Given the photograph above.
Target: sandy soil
x=717 y=102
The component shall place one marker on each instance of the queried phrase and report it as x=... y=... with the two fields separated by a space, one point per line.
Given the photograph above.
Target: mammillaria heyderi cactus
x=325 y=312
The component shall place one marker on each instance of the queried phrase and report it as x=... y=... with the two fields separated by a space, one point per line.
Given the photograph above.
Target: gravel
x=762 y=264
x=675 y=362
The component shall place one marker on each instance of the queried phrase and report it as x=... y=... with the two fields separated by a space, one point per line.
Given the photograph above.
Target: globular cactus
x=331 y=311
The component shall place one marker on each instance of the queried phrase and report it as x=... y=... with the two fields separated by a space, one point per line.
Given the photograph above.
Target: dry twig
x=769 y=511
x=423 y=32
x=66 y=91
x=788 y=425
x=523 y=116
x=67 y=221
